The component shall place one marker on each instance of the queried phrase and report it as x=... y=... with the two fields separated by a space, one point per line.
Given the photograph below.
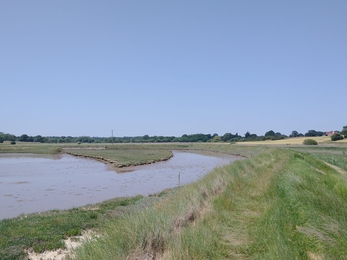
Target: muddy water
x=32 y=183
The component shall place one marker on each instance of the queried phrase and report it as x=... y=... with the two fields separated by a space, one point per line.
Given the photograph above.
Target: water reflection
x=32 y=183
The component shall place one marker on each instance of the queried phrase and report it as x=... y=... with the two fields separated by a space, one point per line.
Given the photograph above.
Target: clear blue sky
x=172 y=67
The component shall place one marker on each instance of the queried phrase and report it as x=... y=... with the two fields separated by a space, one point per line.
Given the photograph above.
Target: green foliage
x=270 y=133
x=253 y=137
x=216 y=139
x=7 y=137
x=228 y=137
x=13 y=142
x=314 y=133
x=336 y=137
x=26 y=138
x=39 y=139
x=295 y=134
x=310 y=142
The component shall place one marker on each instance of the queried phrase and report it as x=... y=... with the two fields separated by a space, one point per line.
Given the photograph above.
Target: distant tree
x=226 y=137
x=314 y=133
x=320 y=133
x=25 y=138
x=294 y=134
x=7 y=137
x=39 y=139
x=247 y=134
x=311 y=133
x=336 y=137
x=216 y=139
x=270 y=133
x=1 y=139
x=344 y=131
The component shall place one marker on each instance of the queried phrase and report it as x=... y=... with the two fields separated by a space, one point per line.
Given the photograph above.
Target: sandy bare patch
x=318 y=170
x=313 y=256
x=61 y=254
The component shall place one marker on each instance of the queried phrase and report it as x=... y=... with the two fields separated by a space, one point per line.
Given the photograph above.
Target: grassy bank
x=123 y=157
x=281 y=204
x=46 y=231
x=36 y=148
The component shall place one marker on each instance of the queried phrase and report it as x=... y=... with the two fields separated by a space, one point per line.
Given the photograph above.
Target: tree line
x=227 y=137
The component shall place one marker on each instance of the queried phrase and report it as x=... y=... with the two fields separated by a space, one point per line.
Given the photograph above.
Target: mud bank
x=115 y=163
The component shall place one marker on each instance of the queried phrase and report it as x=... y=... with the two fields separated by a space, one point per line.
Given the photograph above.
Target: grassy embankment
x=281 y=204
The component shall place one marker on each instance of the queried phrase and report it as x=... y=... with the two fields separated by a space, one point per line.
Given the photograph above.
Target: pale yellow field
x=290 y=141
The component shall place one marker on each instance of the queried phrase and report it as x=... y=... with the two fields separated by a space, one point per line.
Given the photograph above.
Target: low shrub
x=336 y=137
x=310 y=142
x=13 y=142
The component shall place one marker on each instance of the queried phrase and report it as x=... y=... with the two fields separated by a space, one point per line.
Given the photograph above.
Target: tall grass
x=278 y=205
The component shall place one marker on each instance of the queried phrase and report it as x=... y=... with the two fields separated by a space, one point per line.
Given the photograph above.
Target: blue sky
x=172 y=67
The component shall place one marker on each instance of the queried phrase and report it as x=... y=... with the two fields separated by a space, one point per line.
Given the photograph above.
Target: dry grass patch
x=288 y=141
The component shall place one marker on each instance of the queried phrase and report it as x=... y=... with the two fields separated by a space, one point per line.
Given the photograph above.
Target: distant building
x=331 y=133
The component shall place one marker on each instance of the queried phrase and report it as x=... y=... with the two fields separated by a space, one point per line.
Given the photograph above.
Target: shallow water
x=34 y=183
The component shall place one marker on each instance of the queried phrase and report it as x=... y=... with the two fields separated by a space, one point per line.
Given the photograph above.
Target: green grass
x=280 y=204
x=46 y=231
x=335 y=155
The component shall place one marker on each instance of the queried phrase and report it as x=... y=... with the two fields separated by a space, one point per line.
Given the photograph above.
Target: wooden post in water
x=179 y=179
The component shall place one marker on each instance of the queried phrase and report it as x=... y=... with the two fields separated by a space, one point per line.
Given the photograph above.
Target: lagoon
x=33 y=183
